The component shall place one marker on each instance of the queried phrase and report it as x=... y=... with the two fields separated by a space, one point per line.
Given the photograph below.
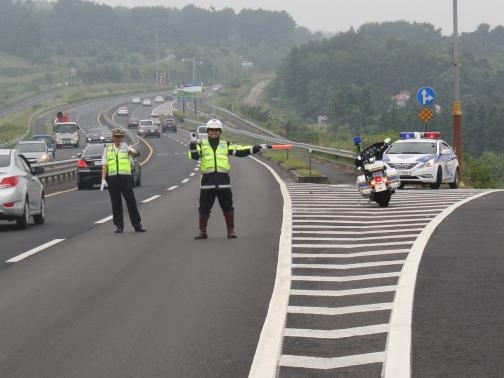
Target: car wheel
x=455 y=183
x=40 y=217
x=439 y=178
x=24 y=219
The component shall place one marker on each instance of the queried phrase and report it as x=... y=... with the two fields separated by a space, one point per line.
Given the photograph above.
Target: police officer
x=215 y=180
x=116 y=175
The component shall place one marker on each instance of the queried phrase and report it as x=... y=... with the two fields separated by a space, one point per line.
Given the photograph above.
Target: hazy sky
x=340 y=15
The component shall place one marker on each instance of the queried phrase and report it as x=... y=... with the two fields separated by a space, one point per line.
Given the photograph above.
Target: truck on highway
x=66 y=132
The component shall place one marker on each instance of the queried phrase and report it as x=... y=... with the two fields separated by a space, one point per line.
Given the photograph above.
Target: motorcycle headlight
x=43 y=158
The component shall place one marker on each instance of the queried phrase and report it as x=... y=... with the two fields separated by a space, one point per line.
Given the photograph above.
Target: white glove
x=263 y=147
x=103 y=185
x=194 y=137
x=132 y=151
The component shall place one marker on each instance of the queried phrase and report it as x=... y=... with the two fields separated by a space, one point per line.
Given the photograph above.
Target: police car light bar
x=417 y=135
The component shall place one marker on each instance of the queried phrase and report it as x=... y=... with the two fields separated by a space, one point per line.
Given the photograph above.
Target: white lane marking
x=348 y=246
x=268 y=349
x=381 y=232
x=172 y=187
x=336 y=333
x=151 y=198
x=192 y=174
x=106 y=219
x=348 y=266
x=61 y=192
x=346 y=278
x=185 y=180
x=395 y=226
x=356 y=239
x=349 y=255
x=32 y=251
x=196 y=169
x=398 y=359
x=339 y=310
x=344 y=293
x=331 y=362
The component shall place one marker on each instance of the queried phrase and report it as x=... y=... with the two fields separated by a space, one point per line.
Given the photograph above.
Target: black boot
x=229 y=216
x=203 y=221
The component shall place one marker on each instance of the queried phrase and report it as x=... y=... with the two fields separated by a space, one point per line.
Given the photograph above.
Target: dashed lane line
x=33 y=251
x=151 y=198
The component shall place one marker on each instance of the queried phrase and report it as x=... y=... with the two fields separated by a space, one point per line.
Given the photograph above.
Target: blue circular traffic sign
x=426 y=96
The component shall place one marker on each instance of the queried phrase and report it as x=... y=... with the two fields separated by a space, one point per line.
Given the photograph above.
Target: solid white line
x=348 y=255
x=266 y=357
x=31 y=252
x=398 y=362
x=346 y=278
x=348 y=246
x=331 y=362
x=172 y=187
x=336 y=333
x=347 y=266
x=344 y=293
x=151 y=198
x=339 y=310
x=106 y=219
x=185 y=180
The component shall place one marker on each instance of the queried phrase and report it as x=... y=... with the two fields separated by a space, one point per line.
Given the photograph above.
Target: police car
x=423 y=158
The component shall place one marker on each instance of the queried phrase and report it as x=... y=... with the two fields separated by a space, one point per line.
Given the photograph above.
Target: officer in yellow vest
x=116 y=175
x=215 y=181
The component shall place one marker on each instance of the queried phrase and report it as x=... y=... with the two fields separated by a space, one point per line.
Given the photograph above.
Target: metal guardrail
x=57 y=172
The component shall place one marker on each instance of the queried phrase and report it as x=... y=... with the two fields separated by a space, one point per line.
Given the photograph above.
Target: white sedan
x=123 y=110
x=147 y=102
x=423 y=158
x=136 y=100
x=158 y=99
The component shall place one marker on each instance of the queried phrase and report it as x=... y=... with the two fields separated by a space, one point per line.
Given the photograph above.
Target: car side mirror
x=37 y=170
x=446 y=151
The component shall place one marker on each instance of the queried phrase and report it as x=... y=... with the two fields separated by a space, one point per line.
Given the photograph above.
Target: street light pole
x=457 y=104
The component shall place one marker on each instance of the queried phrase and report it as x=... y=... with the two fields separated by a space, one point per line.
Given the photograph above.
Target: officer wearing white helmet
x=215 y=181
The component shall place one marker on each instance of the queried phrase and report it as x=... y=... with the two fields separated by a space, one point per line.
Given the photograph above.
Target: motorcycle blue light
x=357 y=140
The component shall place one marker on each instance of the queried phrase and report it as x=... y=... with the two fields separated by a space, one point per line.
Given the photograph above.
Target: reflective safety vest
x=119 y=163
x=214 y=161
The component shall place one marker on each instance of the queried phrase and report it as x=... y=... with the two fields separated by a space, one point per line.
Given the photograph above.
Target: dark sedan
x=169 y=125
x=89 y=168
x=98 y=135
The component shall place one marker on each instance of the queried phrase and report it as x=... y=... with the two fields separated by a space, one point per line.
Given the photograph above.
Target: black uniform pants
x=207 y=199
x=123 y=184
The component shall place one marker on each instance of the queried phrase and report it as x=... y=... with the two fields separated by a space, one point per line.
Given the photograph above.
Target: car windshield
x=31 y=147
x=146 y=122
x=4 y=160
x=65 y=128
x=413 y=148
x=94 y=150
x=202 y=130
x=45 y=138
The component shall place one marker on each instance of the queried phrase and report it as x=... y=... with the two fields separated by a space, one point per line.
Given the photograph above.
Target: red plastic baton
x=281 y=146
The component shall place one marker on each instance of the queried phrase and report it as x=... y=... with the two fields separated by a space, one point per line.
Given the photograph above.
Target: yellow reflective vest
x=214 y=161
x=120 y=163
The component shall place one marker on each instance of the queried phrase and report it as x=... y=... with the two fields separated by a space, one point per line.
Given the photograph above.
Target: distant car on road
x=147 y=102
x=148 y=128
x=21 y=192
x=35 y=151
x=133 y=122
x=136 y=100
x=123 y=110
x=49 y=140
x=159 y=99
x=168 y=125
x=89 y=168
x=201 y=132
x=98 y=134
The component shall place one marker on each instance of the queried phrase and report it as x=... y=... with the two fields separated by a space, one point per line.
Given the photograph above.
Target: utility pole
x=457 y=104
x=157 y=58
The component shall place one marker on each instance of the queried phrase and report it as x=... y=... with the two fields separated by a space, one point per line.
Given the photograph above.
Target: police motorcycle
x=375 y=181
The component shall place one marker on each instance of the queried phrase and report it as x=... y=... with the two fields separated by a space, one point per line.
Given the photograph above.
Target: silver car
x=36 y=151
x=21 y=192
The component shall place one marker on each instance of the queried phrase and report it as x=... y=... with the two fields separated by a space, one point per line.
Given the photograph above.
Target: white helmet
x=214 y=124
